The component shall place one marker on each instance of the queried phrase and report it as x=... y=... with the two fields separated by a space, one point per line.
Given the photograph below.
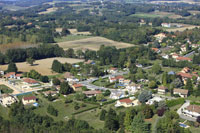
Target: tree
x=33 y=74
x=145 y=96
x=30 y=61
x=156 y=68
x=177 y=83
x=51 y=110
x=65 y=88
x=44 y=79
x=152 y=84
x=165 y=78
x=130 y=114
x=57 y=66
x=107 y=93
x=56 y=81
x=148 y=112
x=99 y=97
x=138 y=125
x=102 y=115
x=111 y=122
x=12 y=67
x=198 y=119
x=189 y=86
x=65 y=32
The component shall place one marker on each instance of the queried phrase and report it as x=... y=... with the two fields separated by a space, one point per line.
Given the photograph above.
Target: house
x=124 y=102
x=6 y=100
x=183 y=48
x=171 y=73
x=52 y=93
x=195 y=45
x=124 y=82
x=28 y=100
x=77 y=87
x=156 y=50
x=174 y=55
x=165 y=56
x=117 y=94
x=116 y=78
x=70 y=78
x=185 y=76
x=113 y=70
x=91 y=93
x=166 y=25
x=160 y=37
x=153 y=100
x=30 y=81
x=132 y=88
x=10 y=75
x=181 y=92
x=162 y=90
x=181 y=58
x=1 y=72
x=139 y=65
x=192 y=111
x=18 y=76
x=185 y=70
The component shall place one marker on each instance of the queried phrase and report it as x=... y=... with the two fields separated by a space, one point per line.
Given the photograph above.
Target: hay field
x=42 y=66
x=92 y=43
x=75 y=32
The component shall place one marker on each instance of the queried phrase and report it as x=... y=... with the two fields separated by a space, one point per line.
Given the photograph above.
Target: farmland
x=181 y=28
x=92 y=43
x=42 y=66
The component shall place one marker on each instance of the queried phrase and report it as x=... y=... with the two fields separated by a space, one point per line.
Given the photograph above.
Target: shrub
x=175 y=102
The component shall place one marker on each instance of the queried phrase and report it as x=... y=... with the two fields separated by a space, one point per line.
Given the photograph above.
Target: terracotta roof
x=125 y=100
x=113 y=68
x=68 y=75
x=91 y=92
x=30 y=81
x=9 y=74
x=183 y=58
x=29 y=98
x=182 y=91
x=185 y=75
x=162 y=88
x=77 y=85
x=193 y=108
x=119 y=77
x=155 y=49
x=18 y=75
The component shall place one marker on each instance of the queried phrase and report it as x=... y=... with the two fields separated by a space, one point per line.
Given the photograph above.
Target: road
x=190 y=54
x=187 y=103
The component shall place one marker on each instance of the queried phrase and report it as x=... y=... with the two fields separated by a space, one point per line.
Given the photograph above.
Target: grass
x=71 y=38
x=146 y=15
x=4 y=112
x=5 y=89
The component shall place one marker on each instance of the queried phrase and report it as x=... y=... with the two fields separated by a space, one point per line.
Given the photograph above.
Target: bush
x=175 y=102
x=51 y=110
x=160 y=112
x=76 y=107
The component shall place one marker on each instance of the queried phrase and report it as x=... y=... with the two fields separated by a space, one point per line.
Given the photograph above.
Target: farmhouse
x=192 y=111
x=124 y=102
x=162 y=90
x=30 y=81
x=181 y=92
x=28 y=100
x=91 y=93
x=6 y=100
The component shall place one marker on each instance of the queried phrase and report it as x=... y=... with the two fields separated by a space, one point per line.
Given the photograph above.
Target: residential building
x=52 y=93
x=6 y=100
x=183 y=48
x=185 y=70
x=30 y=81
x=181 y=92
x=156 y=50
x=124 y=81
x=153 y=100
x=112 y=70
x=124 y=102
x=160 y=37
x=115 y=79
x=91 y=93
x=117 y=94
x=181 y=58
x=77 y=87
x=70 y=78
x=28 y=100
x=174 y=55
x=18 y=76
x=1 y=72
x=162 y=90
x=192 y=111
x=10 y=75
x=166 y=25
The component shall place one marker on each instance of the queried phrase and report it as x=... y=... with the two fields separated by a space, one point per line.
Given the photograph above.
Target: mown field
x=42 y=66
x=92 y=43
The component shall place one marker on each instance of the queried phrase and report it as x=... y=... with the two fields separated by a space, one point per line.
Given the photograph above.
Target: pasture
x=92 y=43
x=42 y=66
x=185 y=26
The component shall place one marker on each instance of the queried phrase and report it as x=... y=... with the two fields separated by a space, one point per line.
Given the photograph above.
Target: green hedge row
x=85 y=110
x=195 y=103
x=175 y=102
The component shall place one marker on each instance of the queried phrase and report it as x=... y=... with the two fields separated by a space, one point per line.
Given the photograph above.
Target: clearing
x=71 y=38
x=185 y=26
x=49 y=10
x=92 y=43
x=42 y=66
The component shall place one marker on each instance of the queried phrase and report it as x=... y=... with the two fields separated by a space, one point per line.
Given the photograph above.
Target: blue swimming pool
x=182 y=125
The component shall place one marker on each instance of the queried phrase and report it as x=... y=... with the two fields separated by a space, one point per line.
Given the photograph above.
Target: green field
x=5 y=89
x=146 y=15
x=71 y=38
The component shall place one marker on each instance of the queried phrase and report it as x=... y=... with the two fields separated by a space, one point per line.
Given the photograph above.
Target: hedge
x=85 y=110
x=175 y=102
x=195 y=103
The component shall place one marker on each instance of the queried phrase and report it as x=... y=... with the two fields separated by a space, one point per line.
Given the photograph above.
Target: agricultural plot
x=42 y=66
x=92 y=43
x=182 y=28
x=49 y=10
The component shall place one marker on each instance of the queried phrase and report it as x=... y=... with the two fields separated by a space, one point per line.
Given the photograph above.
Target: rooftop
x=193 y=108
x=29 y=98
x=125 y=100
x=182 y=91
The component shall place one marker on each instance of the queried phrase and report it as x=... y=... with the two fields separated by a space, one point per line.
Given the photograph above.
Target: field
x=156 y=14
x=75 y=32
x=49 y=10
x=71 y=38
x=42 y=66
x=5 y=89
x=92 y=43
x=181 y=28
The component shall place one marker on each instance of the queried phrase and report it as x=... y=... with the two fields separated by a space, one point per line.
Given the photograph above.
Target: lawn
x=71 y=38
x=5 y=89
x=4 y=112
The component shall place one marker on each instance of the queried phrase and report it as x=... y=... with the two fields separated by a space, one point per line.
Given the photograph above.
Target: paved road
x=190 y=54
x=187 y=103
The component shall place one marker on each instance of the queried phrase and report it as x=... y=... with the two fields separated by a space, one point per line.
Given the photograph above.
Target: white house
x=166 y=25
x=1 y=72
x=6 y=100
x=162 y=90
x=192 y=111
x=181 y=92
x=154 y=99
x=112 y=70
x=124 y=102
x=117 y=94
x=28 y=100
x=10 y=75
